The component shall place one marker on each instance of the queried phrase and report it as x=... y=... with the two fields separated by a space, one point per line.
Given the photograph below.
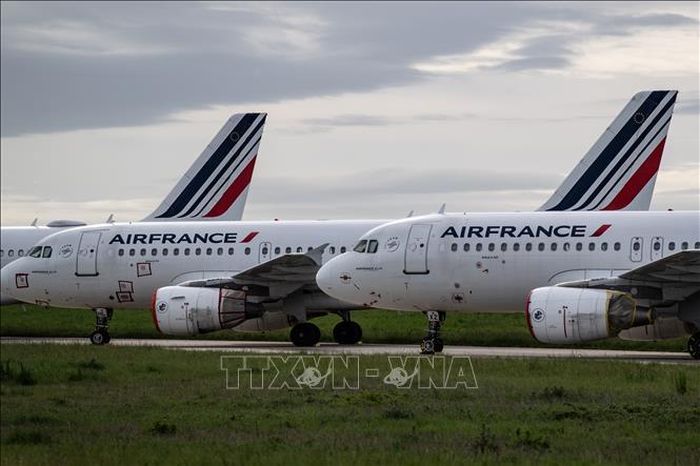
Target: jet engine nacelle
x=574 y=315
x=185 y=310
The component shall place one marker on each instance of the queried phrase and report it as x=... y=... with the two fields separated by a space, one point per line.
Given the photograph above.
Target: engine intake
x=185 y=310
x=574 y=315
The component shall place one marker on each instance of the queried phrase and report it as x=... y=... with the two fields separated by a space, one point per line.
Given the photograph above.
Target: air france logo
x=510 y=231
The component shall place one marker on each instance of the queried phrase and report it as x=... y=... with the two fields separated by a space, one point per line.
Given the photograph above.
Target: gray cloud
x=87 y=65
x=361 y=119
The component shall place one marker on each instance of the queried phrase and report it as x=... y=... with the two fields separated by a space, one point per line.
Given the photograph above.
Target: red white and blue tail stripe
x=216 y=186
x=619 y=171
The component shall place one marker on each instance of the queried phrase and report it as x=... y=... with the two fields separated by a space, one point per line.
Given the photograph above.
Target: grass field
x=117 y=405
x=378 y=327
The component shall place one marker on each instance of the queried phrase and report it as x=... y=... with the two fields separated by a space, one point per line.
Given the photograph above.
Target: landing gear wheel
x=100 y=337
x=305 y=334
x=694 y=345
x=347 y=333
x=432 y=343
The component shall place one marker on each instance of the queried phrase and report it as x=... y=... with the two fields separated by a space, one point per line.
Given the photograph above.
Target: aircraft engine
x=185 y=310
x=574 y=315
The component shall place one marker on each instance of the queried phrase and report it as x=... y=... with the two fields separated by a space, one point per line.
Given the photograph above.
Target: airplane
x=582 y=276
x=271 y=265
x=215 y=187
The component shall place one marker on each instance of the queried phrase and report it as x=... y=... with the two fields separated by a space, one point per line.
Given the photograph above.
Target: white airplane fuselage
x=488 y=262
x=120 y=266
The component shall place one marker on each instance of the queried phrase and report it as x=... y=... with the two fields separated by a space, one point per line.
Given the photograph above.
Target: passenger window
x=198 y=252
x=209 y=251
x=635 y=246
x=47 y=252
x=230 y=251
x=591 y=246
x=374 y=244
x=299 y=249
x=219 y=251
x=684 y=246
x=616 y=246
x=165 y=251
x=566 y=246
x=187 y=251
x=247 y=251
x=454 y=247
x=516 y=246
x=553 y=246
x=540 y=247
x=492 y=246
x=478 y=247
x=657 y=245
x=20 y=253
x=121 y=252
x=11 y=253
x=309 y=248
x=361 y=246
x=176 y=251
x=343 y=249
x=278 y=250
x=154 y=252
x=504 y=246
x=466 y=247
x=697 y=245
x=36 y=252
x=132 y=252
x=143 y=251
x=332 y=249
x=528 y=246
x=265 y=250
x=603 y=246
x=579 y=246
x=672 y=246
x=288 y=250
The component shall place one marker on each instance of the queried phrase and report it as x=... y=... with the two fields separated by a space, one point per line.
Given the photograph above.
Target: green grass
x=118 y=405
x=378 y=327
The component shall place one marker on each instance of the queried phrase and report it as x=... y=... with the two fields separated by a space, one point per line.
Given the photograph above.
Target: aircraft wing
x=678 y=275
x=275 y=278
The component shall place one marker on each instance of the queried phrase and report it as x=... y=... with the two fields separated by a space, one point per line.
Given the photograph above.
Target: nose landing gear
x=101 y=335
x=347 y=332
x=432 y=343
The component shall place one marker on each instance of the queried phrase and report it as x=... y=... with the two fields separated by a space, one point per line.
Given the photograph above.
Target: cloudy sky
x=375 y=109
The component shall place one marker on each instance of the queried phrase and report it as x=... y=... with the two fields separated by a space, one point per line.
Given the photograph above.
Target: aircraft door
x=657 y=248
x=636 y=246
x=416 y=255
x=265 y=253
x=86 y=259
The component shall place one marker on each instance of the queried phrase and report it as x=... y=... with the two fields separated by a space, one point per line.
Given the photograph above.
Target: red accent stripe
x=249 y=237
x=640 y=179
x=601 y=229
x=153 y=311
x=527 y=315
x=232 y=192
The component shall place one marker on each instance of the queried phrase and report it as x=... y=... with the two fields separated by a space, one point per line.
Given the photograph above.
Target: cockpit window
x=35 y=252
x=47 y=252
x=372 y=246
x=361 y=246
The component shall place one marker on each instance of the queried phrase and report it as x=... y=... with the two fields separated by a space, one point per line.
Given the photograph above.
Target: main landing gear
x=346 y=332
x=432 y=343
x=694 y=345
x=101 y=335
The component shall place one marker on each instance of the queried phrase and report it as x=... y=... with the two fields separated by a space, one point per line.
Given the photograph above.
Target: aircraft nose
x=6 y=285
x=334 y=280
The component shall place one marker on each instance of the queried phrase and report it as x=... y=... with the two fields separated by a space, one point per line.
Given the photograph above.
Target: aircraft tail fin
x=215 y=187
x=619 y=171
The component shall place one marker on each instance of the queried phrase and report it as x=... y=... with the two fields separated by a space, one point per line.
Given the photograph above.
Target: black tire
x=347 y=333
x=107 y=338
x=694 y=345
x=305 y=334
x=99 y=337
x=438 y=345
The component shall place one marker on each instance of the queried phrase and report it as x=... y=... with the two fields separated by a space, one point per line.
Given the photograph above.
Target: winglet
x=316 y=254
x=619 y=171
x=215 y=187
